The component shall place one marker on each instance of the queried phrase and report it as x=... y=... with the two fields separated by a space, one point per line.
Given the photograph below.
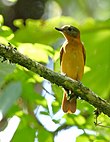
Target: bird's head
x=69 y=31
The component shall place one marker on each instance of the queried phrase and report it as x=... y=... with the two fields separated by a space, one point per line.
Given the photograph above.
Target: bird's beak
x=59 y=29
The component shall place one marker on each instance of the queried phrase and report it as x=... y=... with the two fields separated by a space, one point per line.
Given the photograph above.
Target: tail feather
x=68 y=106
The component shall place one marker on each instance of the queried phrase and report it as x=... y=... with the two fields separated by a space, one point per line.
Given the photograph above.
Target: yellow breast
x=73 y=61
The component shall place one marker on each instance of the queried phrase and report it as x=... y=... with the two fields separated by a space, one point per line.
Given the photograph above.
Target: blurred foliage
x=39 y=103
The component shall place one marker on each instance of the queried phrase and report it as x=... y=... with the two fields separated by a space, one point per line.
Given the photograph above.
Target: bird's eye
x=69 y=29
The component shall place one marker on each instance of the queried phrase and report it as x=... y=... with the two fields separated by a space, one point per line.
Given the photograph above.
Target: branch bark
x=10 y=53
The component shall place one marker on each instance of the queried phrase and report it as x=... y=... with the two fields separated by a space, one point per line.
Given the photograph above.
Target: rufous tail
x=68 y=106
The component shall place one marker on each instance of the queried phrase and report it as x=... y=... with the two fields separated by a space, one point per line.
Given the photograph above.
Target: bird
x=72 y=61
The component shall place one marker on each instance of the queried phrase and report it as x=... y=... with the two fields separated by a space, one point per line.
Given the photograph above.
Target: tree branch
x=10 y=53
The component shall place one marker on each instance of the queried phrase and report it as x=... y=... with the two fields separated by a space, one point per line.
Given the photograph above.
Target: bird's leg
x=80 y=83
x=67 y=94
x=64 y=74
x=70 y=95
x=73 y=95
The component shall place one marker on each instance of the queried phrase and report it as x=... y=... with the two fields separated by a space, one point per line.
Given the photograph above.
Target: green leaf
x=69 y=119
x=56 y=121
x=26 y=76
x=57 y=65
x=80 y=120
x=38 y=52
x=27 y=134
x=5 y=69
x=82 y=138
x=1 y=20
x=44 y=113
x=29 y=93
x=41 y=101
x=3 y=40
x=19 y=23
x=44 y=136
x=25 y=131
x=55 y=106
x=6 y=32
x=58 y=92
x=9 y=95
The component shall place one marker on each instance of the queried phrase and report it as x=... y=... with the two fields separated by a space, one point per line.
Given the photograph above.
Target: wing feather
x=61 y=54
x=84 y=53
